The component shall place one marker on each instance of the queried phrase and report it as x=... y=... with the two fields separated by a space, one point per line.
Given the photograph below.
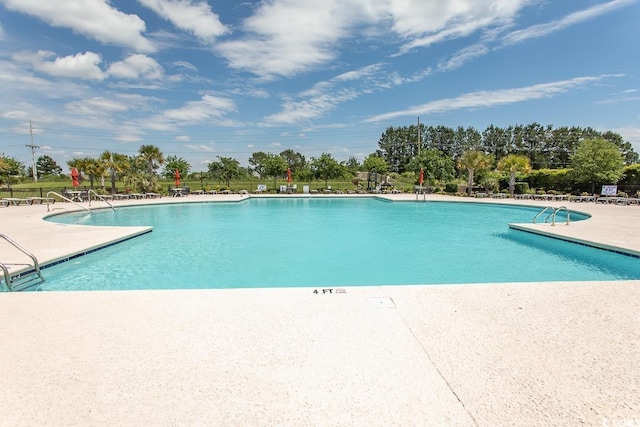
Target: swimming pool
x=312 y=242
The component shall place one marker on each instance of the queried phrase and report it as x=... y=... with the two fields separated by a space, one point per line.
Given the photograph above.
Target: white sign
x=609 y=190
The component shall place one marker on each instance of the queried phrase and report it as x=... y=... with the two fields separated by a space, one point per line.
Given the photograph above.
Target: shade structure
x=75 y=177
x=421 y=179
x=176 y=176
x=289 y=175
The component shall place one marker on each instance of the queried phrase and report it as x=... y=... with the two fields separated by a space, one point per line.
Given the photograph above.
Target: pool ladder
x=552 y=214
x=24 y=279
x=66 y=199
x=89 y=192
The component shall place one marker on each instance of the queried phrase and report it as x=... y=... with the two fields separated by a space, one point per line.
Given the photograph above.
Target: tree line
x=561 y=158
x=545 y=146
x=143 y=170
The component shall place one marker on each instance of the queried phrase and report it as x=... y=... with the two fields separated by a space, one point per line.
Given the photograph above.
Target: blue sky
x=202 y=79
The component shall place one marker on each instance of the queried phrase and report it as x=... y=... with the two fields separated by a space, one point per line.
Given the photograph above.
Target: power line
x=33 y=153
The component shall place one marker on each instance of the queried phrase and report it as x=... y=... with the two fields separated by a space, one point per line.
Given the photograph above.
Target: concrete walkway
x=494 y=354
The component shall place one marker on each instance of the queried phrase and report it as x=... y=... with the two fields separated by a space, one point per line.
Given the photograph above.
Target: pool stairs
x=552 y=214
x=24 y=278
x=73 y=200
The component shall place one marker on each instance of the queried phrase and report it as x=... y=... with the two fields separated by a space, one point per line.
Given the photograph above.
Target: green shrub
x=631 y=175
x=451 y=187
x=521 y=188
x=556 y=179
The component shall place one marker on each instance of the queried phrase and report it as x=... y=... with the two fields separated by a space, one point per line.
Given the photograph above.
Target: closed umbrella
x=176 y=175
x=75 y=177
x=421 y=179
x=289 y=175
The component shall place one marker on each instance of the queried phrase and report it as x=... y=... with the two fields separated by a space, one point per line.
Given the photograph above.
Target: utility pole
x=33 y=153
x=419 y=139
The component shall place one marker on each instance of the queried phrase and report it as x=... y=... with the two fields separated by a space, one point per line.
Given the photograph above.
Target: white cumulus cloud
x=136 y=67
x=286 y=37
x=194 y=17
x=83 y=66
x=95 y=19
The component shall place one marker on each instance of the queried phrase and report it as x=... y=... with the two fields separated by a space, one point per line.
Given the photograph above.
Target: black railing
x=40 y=192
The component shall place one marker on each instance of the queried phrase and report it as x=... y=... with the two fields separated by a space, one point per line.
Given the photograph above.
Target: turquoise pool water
x=290 y=242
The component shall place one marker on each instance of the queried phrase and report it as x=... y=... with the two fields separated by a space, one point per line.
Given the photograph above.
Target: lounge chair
x=40 y=200
x=16 y=201
x=580 y=199
x=606 y=199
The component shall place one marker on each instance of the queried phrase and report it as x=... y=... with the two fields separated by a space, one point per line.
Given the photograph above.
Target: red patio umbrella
x=289 y=175
x=421 y=179
x=75 y=177
x=176 y=175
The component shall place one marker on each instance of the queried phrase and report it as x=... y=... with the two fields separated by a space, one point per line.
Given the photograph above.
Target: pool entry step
x=23 y=279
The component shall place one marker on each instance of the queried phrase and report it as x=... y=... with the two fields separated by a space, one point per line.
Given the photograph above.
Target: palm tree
x=153 y=156
x=80 y=164
x=98 y=169
x=115 y=163
x=474 y=161
x=5 y=167
x=514 y=164
x=88 y=166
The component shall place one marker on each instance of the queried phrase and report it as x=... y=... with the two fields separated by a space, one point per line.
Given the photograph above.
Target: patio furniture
x=176 y=192
x=15 y=201
x=40 y=200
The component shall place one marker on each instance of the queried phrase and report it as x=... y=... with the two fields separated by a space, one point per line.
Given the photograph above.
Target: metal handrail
x=15 y=244
x=67 y=199
x=552 y=215
x=533 y=220
x=7 y=276
x=555 y=211
x=100 y=197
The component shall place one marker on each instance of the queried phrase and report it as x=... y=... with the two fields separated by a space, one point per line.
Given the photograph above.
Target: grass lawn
x=40 y=188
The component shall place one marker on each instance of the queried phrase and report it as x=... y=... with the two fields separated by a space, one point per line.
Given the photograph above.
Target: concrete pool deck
x=564 y=353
